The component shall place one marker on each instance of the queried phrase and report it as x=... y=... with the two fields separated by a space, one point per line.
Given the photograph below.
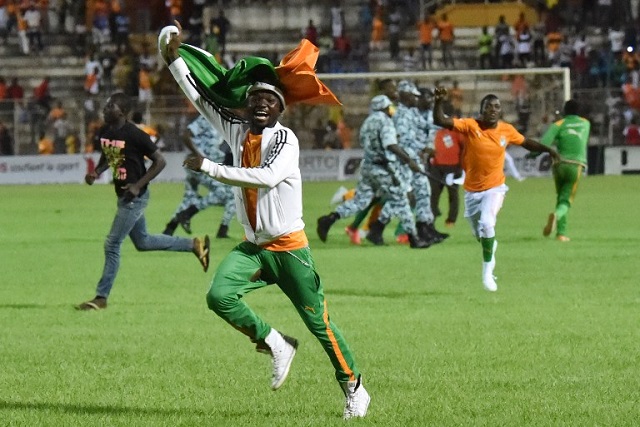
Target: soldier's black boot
x=375 y=233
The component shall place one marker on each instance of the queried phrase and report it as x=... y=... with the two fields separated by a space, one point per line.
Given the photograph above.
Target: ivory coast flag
x=295 y=75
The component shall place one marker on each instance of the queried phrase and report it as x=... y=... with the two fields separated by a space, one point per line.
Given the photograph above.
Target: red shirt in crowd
x=42 y=90
x=632 y=134
x=448 y=146
x=15 y=91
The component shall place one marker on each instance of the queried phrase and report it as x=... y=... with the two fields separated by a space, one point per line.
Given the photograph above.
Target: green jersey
x=570 y=135
x=484 y=44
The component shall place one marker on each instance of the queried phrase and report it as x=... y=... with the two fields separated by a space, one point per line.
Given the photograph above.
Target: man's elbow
x=159 y=162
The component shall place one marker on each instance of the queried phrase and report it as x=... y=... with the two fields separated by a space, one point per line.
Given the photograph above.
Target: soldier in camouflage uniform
x=413 y=138
x=379 y=174
x=207 y=142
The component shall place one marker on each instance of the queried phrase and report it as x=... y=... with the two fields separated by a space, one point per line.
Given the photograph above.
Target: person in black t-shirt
x=124 y=148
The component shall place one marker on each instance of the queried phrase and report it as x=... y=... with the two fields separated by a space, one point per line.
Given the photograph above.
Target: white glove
x=450 y=179
x=163 y=40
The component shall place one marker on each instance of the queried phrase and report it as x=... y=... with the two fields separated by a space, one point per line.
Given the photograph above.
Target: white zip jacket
x=278 y=179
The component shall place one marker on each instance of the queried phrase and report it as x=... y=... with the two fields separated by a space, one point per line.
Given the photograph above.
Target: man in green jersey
x=570 y=135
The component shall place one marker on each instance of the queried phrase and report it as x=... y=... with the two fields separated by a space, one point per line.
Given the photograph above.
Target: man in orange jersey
x=486 y=138
x=268 y=183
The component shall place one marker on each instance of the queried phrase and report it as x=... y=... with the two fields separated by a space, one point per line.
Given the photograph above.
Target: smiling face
x=263 y=109
x=491 y=111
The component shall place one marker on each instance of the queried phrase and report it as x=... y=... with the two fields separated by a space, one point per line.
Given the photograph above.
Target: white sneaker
x=357 y=399
x=489 y=283
x=338 y=196
x=283 y=348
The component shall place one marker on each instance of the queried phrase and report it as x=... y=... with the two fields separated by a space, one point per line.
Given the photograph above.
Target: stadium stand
x=271 y=29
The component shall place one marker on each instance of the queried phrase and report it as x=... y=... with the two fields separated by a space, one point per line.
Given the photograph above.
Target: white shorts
x=481 y=209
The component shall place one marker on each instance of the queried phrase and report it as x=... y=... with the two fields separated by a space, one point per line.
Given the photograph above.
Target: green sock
x=360 y=217
x=561 y=210
x=487 y=248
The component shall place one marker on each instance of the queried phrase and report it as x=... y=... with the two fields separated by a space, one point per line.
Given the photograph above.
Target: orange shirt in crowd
x=553 y=41
x=89 y=81
x=631 y=95
x=425 y=31
x=45 y=145
x=57 y=113
x=22 y=24
x=100 y=8
x=175 y=7
x=520 y=25
x=445 y=31
x=483 y=159
x=377 y=29
x=144 y=80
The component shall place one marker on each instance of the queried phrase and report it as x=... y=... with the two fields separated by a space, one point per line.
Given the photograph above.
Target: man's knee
x=141 y=243
x=112 y=244
x=486 y=229
x=218 y=300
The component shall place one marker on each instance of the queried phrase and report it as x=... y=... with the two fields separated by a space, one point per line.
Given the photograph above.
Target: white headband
x=261 y=86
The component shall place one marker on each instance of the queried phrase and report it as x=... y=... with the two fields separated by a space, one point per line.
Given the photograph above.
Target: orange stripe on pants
x=334 y=344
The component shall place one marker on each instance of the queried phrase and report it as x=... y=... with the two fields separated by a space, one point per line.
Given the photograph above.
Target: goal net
x=530 y=98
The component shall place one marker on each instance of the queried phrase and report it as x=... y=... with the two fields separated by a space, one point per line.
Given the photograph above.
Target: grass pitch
x=556 y=345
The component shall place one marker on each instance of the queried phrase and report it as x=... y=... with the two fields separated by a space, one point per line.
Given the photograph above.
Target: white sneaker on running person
x=357 y=399
x=489 y=283
x=283 y=349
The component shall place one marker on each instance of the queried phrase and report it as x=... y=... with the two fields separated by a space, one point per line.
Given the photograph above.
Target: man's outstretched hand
x=169 y=41
x=440 y=93
x=193 y=162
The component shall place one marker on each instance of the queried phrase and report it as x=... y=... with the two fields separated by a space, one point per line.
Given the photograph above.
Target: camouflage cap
x=380 y=102
x=407 y=86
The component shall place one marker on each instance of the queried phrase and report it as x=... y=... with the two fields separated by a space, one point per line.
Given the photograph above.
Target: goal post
x=547 y=89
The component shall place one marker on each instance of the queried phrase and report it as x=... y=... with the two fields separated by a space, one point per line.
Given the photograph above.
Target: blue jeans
x=129 y=220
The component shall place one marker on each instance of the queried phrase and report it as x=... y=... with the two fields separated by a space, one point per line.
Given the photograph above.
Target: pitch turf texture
x=558 y=344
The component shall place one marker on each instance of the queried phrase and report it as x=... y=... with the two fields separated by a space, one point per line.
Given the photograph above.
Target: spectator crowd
x=600 y=48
